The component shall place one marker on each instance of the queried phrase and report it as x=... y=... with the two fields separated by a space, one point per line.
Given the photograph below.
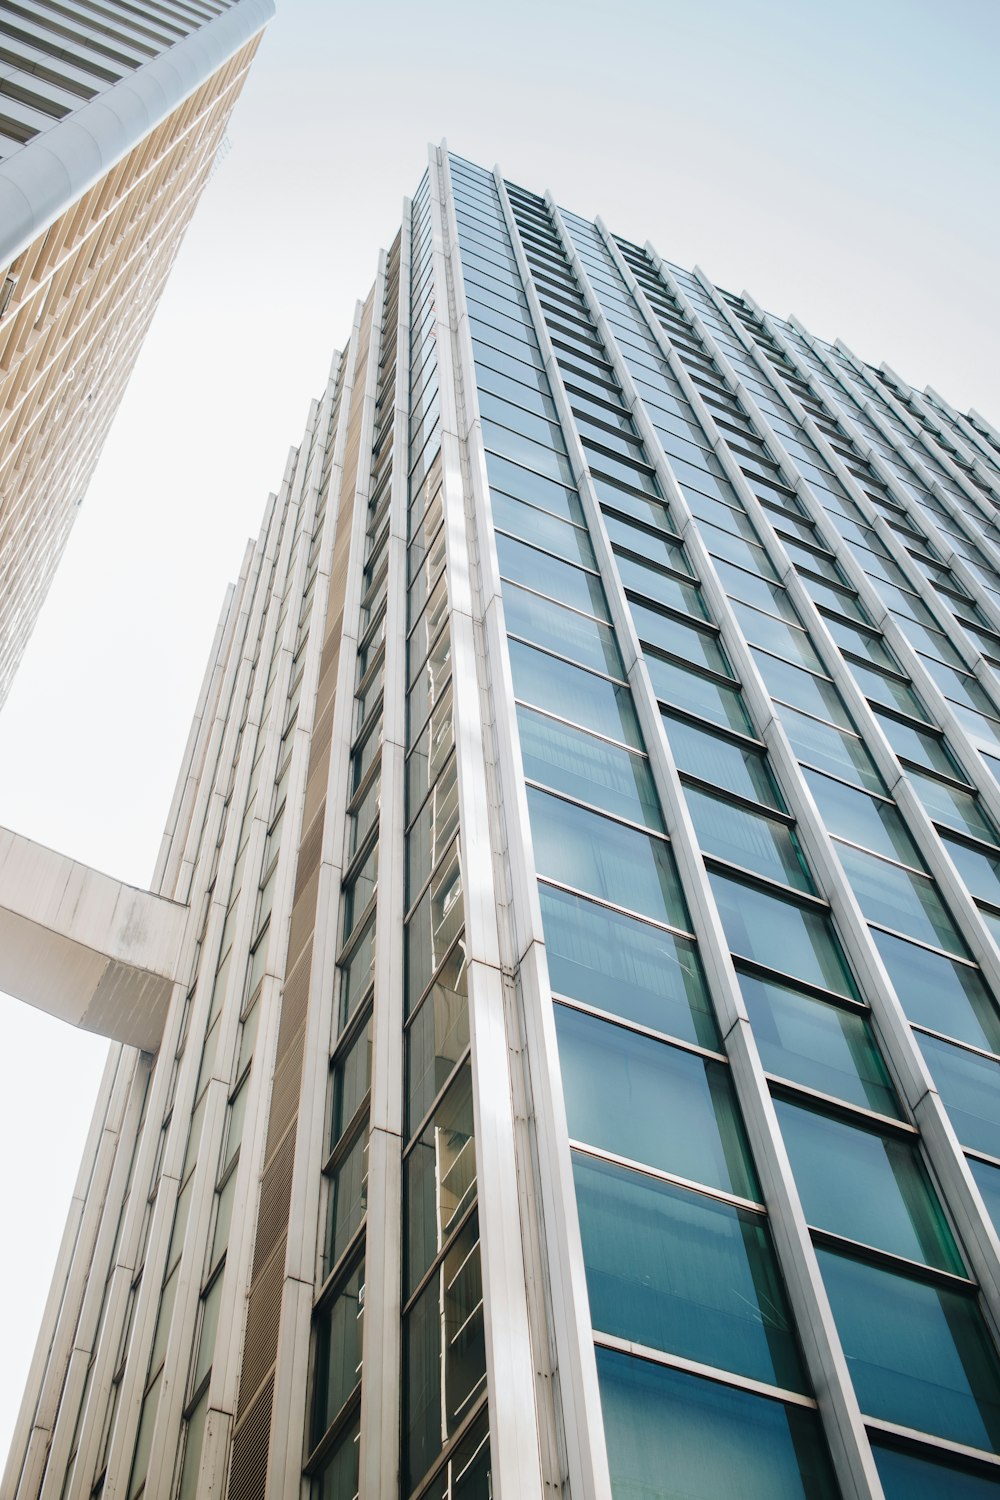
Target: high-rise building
x=111 y=117
x=569 y=1001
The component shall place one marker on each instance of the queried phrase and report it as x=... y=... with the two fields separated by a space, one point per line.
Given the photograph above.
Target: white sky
x=835 y=160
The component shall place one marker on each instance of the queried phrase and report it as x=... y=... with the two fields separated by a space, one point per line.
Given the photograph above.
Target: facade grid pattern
x=585 y=1074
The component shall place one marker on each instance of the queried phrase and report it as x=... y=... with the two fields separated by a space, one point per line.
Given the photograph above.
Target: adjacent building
x=561 y=1053
x=111 y=118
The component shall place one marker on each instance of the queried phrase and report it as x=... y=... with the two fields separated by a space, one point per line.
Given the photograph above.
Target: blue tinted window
x=652 y=1103
x=795 y=940
x=819 y=1044
x=905 y=1476
x=715 y=1298
x=590 y=852
x=673 y=1436
x=940 y=993
x=866 y=1186
x=918 y=1354
x=970 y=1087
x=633 y=969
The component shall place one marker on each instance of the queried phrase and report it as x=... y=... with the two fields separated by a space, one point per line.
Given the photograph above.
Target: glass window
x=650 y=544
x=582 y=766
x=866 y=1186
x=919 y=1354
x=777 y=636
x=948 y=804
x=698 y=647
x=732 y=767
x=899 y=899
x=922 y=746
x=525 y=484
x=909 y=1476
x=607 y=859
x=351 y=1079
x=749 y=839
x=862 y=819
x=348 y=1197
x=434 y=925
x=432 y=830
x=542 y=529
x=644 y=578
x=674 y=683
x=616 y=963
x=716 y=1297
x=338 y=1350
x=444 y=1355
x=594 y=702
x=813 y=1042
x=650 y=1102
x=549 y=575
x=794 y=685
x=577 y=636
x=439 y=1177
x=830 y=749
x=979 y=869
x=970 y=1088
x=936 y=991
x=437 y=1036
x=887 y=690
x=430 y=752
x=782 y=935
x=357 y=971
x=987 y=1180
x=674 y=1436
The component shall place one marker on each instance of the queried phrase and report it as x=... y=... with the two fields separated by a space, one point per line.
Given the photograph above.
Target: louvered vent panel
x=248 y=1470
x=275 y=1191
x=263 y=1316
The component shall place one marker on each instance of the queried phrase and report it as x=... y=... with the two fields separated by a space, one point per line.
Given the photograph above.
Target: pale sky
x=836 y=160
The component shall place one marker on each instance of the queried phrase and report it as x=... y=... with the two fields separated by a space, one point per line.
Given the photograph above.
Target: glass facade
x=623 y=1116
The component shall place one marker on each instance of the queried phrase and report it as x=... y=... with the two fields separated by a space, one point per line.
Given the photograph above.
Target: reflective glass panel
x=437 y=1036
x=674 y=683
x=588 y=768
x=987 y=1180
x=918 y=1354
x=907 y=1476
x=607 y=859
x=716 y=1297
x=749 y=839
x=816 y=1043
x=863 y=819
x=545 y=623
x=831 y=749
x=866 y=1186
x=737 y=768
x=937 y=992
x=674 y=1436
x=900 y=899
x=439 y=1177
x=566 y=690
x=631 y=968
x=782 y=935
x=653 y=1103
x=970 y=1087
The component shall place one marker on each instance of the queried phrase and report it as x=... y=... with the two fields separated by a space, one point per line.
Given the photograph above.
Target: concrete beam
x=84 y=947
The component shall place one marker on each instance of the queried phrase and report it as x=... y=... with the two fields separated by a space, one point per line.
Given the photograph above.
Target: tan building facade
x=111 y=118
